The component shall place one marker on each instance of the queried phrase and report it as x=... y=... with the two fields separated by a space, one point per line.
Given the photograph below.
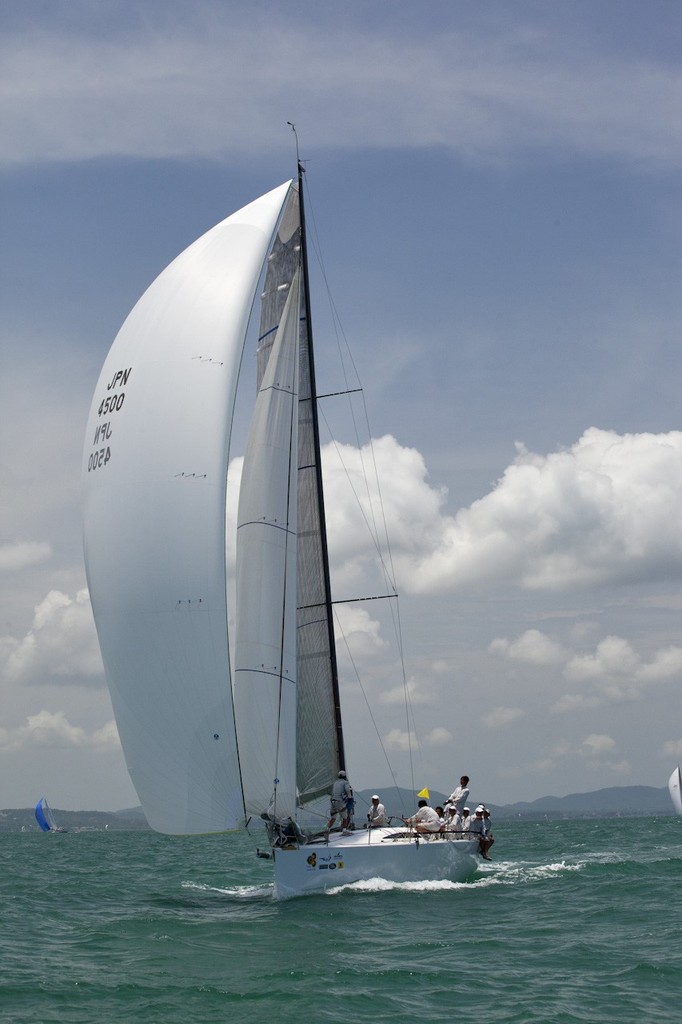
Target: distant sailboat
x=45 y=817
x=675 y=787
x=222 y=730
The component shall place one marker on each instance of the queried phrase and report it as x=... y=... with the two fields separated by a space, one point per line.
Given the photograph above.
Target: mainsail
x=319 y=744
x=265 y=634
x=286 y=707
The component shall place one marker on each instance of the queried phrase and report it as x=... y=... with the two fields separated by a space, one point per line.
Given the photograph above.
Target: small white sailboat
x=675 y=789
x=221 y=727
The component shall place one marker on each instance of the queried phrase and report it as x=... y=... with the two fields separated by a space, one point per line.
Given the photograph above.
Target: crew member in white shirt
x=377 y=813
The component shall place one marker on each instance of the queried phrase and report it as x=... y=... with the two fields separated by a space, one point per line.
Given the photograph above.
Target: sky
x=495 y=192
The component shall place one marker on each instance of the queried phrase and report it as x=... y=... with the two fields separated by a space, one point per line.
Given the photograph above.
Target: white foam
x=384 y=885
x=242 y=892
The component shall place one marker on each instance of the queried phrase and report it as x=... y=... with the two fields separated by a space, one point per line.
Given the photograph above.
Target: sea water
x=572 y=921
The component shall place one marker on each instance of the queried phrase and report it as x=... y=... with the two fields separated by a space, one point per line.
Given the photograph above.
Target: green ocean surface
x=572 y=921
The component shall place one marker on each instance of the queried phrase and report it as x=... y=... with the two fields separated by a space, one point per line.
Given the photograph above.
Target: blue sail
x=44 y=816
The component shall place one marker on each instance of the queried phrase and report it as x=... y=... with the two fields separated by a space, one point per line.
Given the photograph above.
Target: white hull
x=371 y=854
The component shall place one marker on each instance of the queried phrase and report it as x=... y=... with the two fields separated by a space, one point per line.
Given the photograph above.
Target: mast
x=318 y=472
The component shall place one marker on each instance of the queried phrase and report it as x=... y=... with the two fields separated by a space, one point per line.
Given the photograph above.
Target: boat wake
x=501 y=873
x=385 y=885
x=236 y=892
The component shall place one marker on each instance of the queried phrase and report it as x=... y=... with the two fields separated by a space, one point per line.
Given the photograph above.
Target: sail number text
x=99 y=458
x=112 y=403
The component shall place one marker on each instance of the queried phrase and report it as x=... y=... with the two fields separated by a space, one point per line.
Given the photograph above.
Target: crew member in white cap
x=477 y=830
x=377 y=813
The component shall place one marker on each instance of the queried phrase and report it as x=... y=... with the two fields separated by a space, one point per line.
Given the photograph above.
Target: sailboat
x=675 y=789
x=45 y=817
x=228 y=712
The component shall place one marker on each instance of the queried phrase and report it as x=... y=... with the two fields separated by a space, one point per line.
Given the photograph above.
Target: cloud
x=598 y=744
x=437 y=737
x=156 y=88
x=500 y=717
x=594 y=749
x=399 y=740
x=48 y=729
x=672 y=748
x=359 y=630
x=22 y=554
x=618 y=673
x=61 y=646
x=357 y=510
x=606 y=510
x=412 y=692
x=612 y=673
x=532 y=646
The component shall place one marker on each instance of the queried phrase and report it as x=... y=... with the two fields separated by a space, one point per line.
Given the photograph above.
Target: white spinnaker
x=675 y=789
x=265 y=634
x=154 y=470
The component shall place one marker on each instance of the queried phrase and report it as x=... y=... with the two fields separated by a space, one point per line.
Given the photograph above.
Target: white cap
x=480 y=809
x=375 y=797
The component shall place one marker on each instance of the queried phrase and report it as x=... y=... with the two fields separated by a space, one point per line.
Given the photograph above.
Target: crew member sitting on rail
x=425 y=820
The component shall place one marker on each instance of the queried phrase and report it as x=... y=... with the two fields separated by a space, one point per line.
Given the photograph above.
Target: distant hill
x=621 y=801
x=118 y=821
x=617 y=801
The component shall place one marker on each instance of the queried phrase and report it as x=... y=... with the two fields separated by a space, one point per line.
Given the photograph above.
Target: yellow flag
x=424 y=792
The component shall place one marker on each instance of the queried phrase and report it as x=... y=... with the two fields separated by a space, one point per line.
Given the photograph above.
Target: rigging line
x=389 y=571
x=340 y=334
x=364 y=694
x=371 y=527
x=321 y=515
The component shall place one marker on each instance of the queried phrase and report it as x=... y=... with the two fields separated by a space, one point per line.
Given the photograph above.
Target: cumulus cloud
x=22 y=554
x=613 y=672
x=399 y=740
x=618 y=673
x=93 y=88
x=437 y=737
x=606 y=510
x=532 y=646
x=359 y=630
x=61 y=645
x=48 y=729
x=412 y=692
x=357 y=510
x=596 y=750
x=500 y=717
x=598 y=744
